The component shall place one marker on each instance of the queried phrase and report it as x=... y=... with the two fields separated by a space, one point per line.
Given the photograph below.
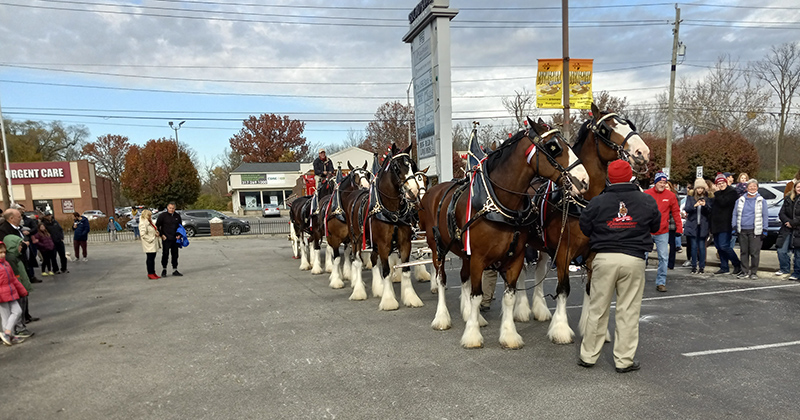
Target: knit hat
x=720 y=177
x=619 y=171
x=700 y=183
x=660 y=176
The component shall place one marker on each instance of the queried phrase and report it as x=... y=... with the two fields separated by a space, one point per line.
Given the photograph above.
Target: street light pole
x=176 y=128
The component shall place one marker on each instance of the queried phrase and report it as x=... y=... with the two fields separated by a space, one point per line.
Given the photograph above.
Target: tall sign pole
x=565 y=68
x=429 y=36
x=5 y=174
x=671 y=110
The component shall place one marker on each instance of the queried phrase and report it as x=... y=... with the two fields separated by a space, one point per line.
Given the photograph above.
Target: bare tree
x=780 y=69
x=521 y=105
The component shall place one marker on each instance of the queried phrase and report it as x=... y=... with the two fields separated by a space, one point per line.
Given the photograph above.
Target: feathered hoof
x=560 y=335
x=442 y=325
x=511 y=341
x=334 y=284
x=388 y=305
x=482 y=322
x=522 y=314
x=541 y=313
x=358 y=295
x=472 y=342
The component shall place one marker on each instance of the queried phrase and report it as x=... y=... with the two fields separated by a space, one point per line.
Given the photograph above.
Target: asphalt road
x=246 y=335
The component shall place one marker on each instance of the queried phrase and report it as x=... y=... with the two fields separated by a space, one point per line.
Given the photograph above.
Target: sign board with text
x=40 y=173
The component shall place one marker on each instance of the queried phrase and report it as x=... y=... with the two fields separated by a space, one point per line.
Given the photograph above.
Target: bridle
x=362 y=174
x=551 y=149
x=395 y=171
x=603 y=131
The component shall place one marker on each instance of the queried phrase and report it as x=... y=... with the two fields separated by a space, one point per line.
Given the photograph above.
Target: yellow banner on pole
x=549 y=78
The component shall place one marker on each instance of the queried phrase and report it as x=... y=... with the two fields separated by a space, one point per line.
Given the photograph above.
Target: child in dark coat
x=46 y=245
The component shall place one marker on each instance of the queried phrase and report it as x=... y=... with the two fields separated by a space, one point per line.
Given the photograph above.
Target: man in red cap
x=619 y=224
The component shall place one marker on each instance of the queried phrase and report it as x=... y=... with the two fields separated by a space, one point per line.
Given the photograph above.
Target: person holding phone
x=698 y=212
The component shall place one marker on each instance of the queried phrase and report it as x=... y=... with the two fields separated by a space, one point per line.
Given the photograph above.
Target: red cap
x=619 y=171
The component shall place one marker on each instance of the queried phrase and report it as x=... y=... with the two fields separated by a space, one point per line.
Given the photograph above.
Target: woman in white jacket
x=151 y=243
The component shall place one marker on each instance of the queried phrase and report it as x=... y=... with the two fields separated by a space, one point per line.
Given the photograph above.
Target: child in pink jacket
x=10 y=291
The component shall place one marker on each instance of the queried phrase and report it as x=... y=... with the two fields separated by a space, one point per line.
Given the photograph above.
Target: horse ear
x=407 y=149
x=349 y=166
x=365 y=164
x=394 y=149
x=493 y=146
x=595 y=111
x=425 y=171
x=530 y=121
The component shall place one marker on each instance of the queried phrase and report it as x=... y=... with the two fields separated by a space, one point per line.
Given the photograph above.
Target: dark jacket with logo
x=722 y=211
x=167 y=224
x=621 y=219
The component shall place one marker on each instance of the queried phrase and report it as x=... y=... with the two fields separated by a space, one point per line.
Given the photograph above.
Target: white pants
x=10 y=313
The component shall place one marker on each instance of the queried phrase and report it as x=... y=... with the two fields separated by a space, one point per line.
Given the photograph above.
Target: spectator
x=619 y=224
x=721 y=215
x=81 y=227
x=14 y=257
x=488 y=285
x=11 y=290
x=750 y=219
x=729 y=178
x=323 y=168
x=698 y=210
x=790 y=186
x=113 y=227
x=167 y=225
x=46 y=246
x=57 y=235
x=674 y=238
x=150 y=242
x=789 y=236
x=668 y=206
x=741 y=186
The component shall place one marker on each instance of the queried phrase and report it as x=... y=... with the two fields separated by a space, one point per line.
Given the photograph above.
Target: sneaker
x=176 y=273
x=721 y=271
x=153 y=277
x=741 y=275
x=780 y=273
x=737 y=271
x=85 y=259
x=694 y=271
x=687 y=264
x=24 y=333
x=753 y=277
x=45 y=273
x=679 y=250
x=631 y=368
x=661 y=288
x=17 y=339
x=32 y=319
x=50 y=273
x=701 y=271
x=164 y=273
x=35 y=280
x=6 y=338
x=793 y=277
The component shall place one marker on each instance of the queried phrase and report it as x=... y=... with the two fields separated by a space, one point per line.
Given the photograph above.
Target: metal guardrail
x=259 y=227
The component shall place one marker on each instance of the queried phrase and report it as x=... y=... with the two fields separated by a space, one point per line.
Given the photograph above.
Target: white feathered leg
x=366 y=258
x=466 y=297
x=422 y=274
x=539 y=306
x=407 y=293
x=395 y=274
x=347 y=265
x=304 y=263
x=388 y=298
x=359 y=291
x=472 y=338
x=295 y=241
x=316 y=260
x=442 y=319
x=336 y=274
x=377 y=281
x=509 y=337
x=522 y=312
x=559 y=331
x=329 y=258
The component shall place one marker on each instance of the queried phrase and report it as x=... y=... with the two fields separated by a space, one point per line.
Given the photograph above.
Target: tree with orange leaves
x=108 y=154
x=160 y=173
x=270 y=138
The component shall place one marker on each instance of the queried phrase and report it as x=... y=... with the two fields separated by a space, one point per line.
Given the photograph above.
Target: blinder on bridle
x=604 y=131
x=396 y=171
x=552 y=149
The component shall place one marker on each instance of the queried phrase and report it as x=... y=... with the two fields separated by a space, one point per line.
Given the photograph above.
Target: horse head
x=361 y=176
x=405 y=174
x=549 y=146
x=620 y=135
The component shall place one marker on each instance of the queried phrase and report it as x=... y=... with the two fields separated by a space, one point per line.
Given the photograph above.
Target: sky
x=129 y=67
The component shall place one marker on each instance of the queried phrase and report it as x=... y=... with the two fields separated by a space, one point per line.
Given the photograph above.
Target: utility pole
x=565 y=66
x=408 y=114
x=5 y=177
x=777 y=143
x=671 y=110
x=176 y=128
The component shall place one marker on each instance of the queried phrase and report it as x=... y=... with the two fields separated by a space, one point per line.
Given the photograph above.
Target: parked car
x=272 y=210
x=771 y=191
x=774 y=225
x=197 y=221
x=94 y=214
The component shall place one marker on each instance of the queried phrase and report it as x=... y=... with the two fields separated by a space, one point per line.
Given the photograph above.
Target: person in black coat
x=721 y=216
x=57 y=234
x=167 y=225
x=698 y=211
x=789 y=235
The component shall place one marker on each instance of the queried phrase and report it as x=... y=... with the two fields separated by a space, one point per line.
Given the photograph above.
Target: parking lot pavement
x=245 y=334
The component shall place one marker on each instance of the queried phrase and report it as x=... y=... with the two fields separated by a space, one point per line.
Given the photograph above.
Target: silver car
x=271 y=210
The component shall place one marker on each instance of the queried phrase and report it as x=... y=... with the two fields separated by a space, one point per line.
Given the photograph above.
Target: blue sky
x=349 y=55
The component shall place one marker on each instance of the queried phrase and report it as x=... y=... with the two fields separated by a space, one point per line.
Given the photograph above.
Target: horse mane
x=502 y=153
x=580 y=140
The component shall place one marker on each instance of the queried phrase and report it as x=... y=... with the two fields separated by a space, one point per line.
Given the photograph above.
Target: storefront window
x=250 y=200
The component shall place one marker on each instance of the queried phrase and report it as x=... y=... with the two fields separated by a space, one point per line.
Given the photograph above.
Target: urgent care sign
x=40 y=173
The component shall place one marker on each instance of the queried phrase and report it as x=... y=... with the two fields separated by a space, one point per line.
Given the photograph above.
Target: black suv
x=197 y=221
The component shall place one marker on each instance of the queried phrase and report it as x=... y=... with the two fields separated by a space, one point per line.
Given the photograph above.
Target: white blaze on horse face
x=364 y=182
x=422 y=185
x=640 y=153
x=578 y=174
x=411 y=184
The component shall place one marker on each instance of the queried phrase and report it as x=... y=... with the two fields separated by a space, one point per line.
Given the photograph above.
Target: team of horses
x=527 y=193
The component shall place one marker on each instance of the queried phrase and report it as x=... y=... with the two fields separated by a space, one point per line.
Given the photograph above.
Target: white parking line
x=735 y=349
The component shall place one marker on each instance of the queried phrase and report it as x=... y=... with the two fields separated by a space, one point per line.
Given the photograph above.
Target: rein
x=603 y=131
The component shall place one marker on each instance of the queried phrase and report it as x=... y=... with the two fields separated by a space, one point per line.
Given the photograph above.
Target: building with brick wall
x=60 y=187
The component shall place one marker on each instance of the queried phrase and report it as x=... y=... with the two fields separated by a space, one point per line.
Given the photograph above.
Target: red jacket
x=667 y=203
x=10 y=288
